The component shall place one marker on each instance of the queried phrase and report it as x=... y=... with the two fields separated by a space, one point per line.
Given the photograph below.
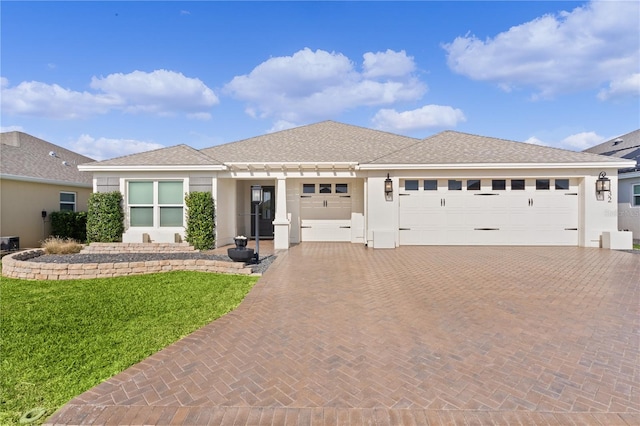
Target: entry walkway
x=342 y=334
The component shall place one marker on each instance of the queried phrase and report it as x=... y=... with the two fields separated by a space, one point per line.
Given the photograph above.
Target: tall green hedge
x=105 y=220
x=200 y=220
x=66 y=224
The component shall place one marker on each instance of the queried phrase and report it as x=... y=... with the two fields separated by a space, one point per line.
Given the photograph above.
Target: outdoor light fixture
x=388 y=186
x=256 y=199
x=603 y=184
x=44 y=214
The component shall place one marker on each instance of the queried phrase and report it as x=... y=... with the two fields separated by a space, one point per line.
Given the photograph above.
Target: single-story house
x=337 y=182
x=626 y=146
x=37 y=178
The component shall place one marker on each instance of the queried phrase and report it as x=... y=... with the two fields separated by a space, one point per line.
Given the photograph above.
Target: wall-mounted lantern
x=603 y=184
x=44 y=214
x=388 y=187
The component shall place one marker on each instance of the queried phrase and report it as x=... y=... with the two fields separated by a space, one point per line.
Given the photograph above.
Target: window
x=430 y=185
x=562 y=184
x=498 y=184
x=67 y=201
x=455 y=185
x=636 y=196
x=517 y=184
x=160 y=203
x=411 y=185
x=342 y=188
x=308 y=188
x=325 y=188
x=542 y=184
x=473 y=185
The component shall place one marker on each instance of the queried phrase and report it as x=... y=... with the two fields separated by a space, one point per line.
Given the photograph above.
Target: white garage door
x=325 y=212
x=489 y=212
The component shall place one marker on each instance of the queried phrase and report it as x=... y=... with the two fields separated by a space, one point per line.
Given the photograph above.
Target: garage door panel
x=506 y=217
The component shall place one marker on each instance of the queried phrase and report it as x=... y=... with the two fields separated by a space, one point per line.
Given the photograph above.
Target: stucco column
x=281 y=221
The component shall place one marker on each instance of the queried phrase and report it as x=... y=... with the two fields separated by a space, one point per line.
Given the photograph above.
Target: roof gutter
x=45 y=181
x=152 y=168
x=499 y=166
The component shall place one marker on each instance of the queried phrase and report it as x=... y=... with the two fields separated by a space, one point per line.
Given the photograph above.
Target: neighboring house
x=626 y=146
x=337 y=182
x=35 y=177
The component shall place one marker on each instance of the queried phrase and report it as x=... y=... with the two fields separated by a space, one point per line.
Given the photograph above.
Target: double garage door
x=488 y=212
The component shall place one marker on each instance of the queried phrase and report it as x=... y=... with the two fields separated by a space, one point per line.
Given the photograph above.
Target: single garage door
x=488 y=212
x=325 y=212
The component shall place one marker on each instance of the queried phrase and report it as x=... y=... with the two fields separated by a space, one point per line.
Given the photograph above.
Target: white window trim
x=74 y=203
x=634 y=195
x=156 y=205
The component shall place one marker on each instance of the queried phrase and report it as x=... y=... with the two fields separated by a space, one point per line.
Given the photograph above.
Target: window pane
x=170 y=216
x=68 y=197
x=562 y=184
x=67 y=207
x=636 y=200
x=636 y=189
x=473 y=185
x=170 y=192
x=542 y=184
x=430 y=185
x=498 y=184
x=455 y=185
x=517 y=184
x=325 y=188
x=342 y=188
x=308 y=188
x=141 y=216
x=411 y=185
x=141 y=193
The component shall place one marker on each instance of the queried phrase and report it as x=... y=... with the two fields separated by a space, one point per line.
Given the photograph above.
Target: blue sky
x=111 y=78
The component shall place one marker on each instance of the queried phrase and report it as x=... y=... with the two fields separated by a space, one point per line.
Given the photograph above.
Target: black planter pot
x=240 y=255
x=241 y=242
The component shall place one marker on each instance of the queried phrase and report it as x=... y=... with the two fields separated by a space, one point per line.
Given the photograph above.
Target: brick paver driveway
x=342 y=334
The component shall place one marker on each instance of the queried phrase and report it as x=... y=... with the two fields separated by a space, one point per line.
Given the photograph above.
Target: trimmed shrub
x=57 y=245
x=65 y=224
x=105 y=220
x=200 y=220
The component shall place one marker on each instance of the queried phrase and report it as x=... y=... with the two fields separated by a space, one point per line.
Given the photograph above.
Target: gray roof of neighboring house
x=451 y=147
x=25 y=156
x=179 y=155
x=324 y=142
x=625 y=146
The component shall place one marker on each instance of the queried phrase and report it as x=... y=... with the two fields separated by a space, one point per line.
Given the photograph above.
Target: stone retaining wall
x=17 y=265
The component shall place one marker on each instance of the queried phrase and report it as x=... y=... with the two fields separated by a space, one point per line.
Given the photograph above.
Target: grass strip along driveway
x=61 y=338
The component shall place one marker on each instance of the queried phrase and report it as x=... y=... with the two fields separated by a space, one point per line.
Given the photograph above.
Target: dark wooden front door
x=266 y=213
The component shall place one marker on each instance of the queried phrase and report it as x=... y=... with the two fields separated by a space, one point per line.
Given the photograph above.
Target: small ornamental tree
x=105 y=219
x=200 y=220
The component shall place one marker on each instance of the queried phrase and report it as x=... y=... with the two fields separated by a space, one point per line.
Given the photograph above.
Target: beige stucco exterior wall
x=21 y=204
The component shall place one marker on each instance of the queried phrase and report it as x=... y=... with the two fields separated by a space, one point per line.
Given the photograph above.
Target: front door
x=266 y=213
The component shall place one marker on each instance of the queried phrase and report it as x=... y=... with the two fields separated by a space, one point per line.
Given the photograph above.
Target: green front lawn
x=60 y=338
x=636 y=246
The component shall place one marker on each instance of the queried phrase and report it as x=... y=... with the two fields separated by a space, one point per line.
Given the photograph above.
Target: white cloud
x=629 y=85
x=105 y=148
x=593 y=45
x=160 y=92
x=389 y=64
x=534 y=140
x=581 y=141
x=310 y=85
x=281 y=125
x=421 y=118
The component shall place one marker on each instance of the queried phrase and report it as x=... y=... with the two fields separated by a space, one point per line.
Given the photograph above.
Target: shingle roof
x=323 y=142
x=451 y=147
x=625 y=146
x=26 y=156
x=179 y=155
